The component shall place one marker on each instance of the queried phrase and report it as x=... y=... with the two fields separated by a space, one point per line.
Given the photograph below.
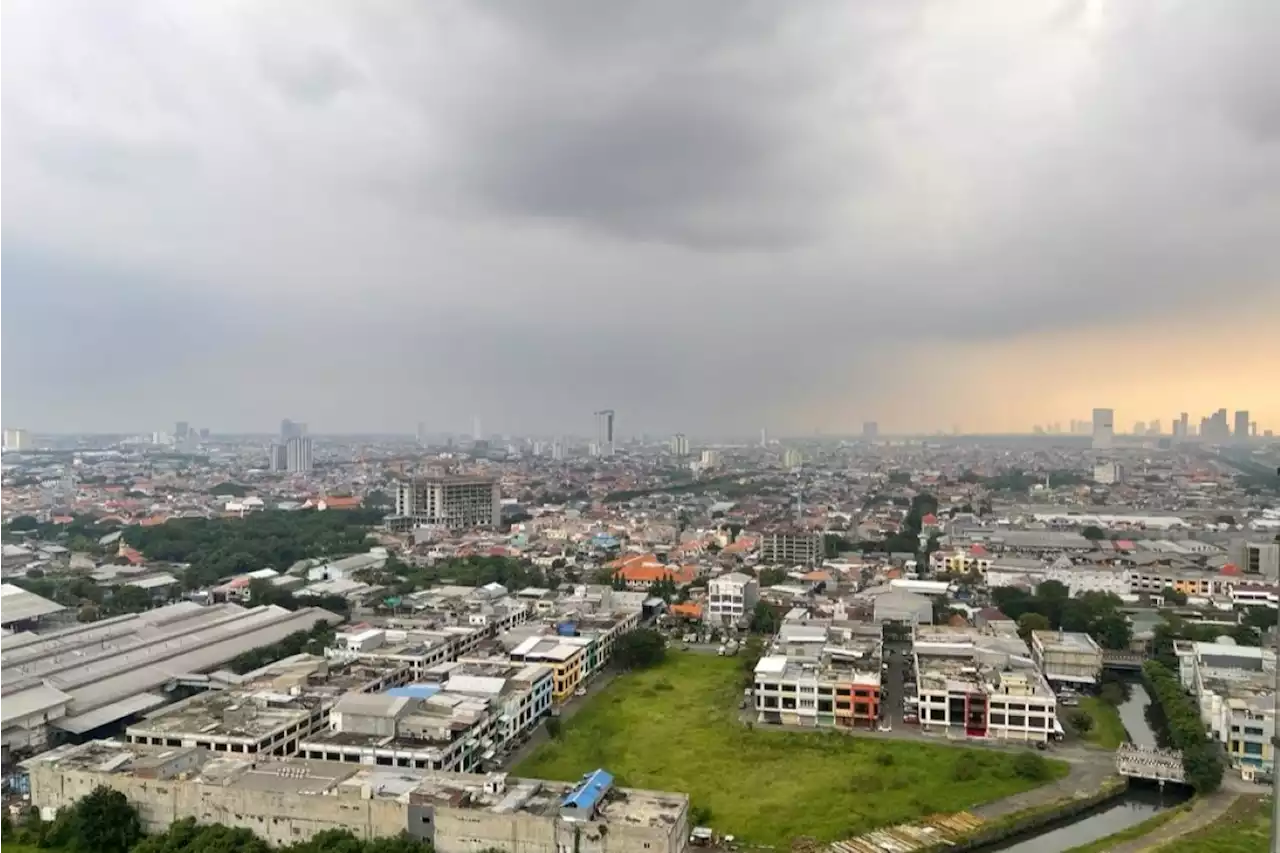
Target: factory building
x=71 y=682
x=289 y=800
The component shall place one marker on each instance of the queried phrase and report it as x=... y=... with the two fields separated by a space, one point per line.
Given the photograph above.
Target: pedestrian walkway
x=1203 y=812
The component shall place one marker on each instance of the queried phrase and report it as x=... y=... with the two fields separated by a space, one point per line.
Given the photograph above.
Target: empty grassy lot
x=674 y=728
x=1108 y=731
x=1245 y=828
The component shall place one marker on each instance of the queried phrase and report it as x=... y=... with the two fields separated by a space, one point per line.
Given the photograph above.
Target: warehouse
x=289 y=800
x=79 y=679
x=21 y=609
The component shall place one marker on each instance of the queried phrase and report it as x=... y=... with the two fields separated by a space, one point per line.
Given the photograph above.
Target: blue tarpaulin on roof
x=415 y=691
x=588 y=794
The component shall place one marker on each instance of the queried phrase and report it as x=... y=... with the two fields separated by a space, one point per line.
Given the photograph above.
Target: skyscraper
x=1103 y=429
x=180 y=430
x=604 y=432
x=291 y=429
x=277 y=457
x=421 y=435
x=764 y=437
x=1241 y=432
x=680 y=444
x=17 y=439
x=298 y=454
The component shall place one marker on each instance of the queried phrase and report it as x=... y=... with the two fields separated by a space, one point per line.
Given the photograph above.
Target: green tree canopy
x=639 y=649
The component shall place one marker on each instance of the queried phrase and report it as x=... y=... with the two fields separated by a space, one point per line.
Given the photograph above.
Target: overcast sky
x=708 y=216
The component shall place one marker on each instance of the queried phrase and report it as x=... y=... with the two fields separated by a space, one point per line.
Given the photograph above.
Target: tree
x=772 y=576
x=1081 y=721
x=1112 y=693
x=554 y=728
x=639 y=649
x=1029 y=622
x=1093 y=533
x=1172 y=596
x=763 y=619
x=1203 y=768
x=103 y=822
x=23 y=523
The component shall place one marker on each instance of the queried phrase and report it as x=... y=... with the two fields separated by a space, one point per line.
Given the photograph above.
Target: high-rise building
x=204 y=433
x=180 y=430
x=1180 y=426
x=764 y=437
x=870 y=430
x=1103 y=429
x=476 y=433
x=277 y=457
x=298 y=454
x=709 y=459
x=291 y=429
x=1241 y=432
x=457 y=503
x=17 y=439
x=792 y=458
x=421 y=434
x=557 y=451
x=680 y=444
x=604 y=432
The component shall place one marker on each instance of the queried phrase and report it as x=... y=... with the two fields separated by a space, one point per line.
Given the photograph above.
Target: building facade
x=731 y=598
x=456 y=503
x=789 y=547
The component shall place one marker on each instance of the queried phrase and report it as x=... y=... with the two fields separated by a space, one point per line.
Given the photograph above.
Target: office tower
x=204 y=433
x=1103 y=429
x=792 y=458
x=458 y=503
x=1139 y=428
x=764 y=437
x=180 y=430
x=870 y=430
x=277 y=457
x=557 y=451
x=421 y=434
x=1241 y=432
x=1180 y=426
x=1108 y=473
x=298 y=454
x=604 y=432
x=1253 y=429
x=680 y=444
x=291 y=429
x=17 y=439
x=710 y=458
x=476 y=433
x=1154 y=428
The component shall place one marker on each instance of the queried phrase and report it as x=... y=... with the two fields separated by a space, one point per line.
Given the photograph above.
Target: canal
x=1137 y=804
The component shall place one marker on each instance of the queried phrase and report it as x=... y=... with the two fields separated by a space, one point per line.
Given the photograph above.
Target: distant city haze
x=706 y=217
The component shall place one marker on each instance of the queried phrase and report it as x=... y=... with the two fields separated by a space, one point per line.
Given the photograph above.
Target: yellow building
x=565 y=655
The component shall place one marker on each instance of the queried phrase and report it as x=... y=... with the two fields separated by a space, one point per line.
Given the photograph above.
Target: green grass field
x=674 y=728
x=1245 y=828
x=1108 y=730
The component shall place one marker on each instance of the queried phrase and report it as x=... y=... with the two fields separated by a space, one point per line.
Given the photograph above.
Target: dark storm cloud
x=698 y=213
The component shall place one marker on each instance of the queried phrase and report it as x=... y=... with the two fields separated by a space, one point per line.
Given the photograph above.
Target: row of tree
x=220 y=547
x=1051 y=606
x=313 y=642
x=105 y=822
x=1178 y=725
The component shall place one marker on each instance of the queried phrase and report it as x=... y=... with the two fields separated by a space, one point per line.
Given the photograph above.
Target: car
x=1041 y=745
x=581 y=691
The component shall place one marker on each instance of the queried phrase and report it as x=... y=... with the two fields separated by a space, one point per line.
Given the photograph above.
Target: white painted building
x=731 y=598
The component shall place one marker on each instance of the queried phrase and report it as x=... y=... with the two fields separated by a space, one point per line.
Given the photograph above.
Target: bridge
x=1131 y=661
x=1157 y=765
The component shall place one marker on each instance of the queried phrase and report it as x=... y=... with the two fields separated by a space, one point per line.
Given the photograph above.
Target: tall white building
x=1103 y=429
x=17 y=439
x=604 y=432
x=731 y=598
x=680 y=444
x=1108 y=473
x=458 y=503
x=298 y=454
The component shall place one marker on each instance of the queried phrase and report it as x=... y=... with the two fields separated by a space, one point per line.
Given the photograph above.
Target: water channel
x=1137 y=804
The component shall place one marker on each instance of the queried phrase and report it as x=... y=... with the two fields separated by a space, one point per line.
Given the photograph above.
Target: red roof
x=688 y=609
x=1124 y=545
x=977 y=550
x=929 y=519
x=1231 y=569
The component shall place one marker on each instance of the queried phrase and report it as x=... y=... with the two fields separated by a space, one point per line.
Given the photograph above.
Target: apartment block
x=520 y=692
x=566 y=656
x=1234 y=689
x=792 y=547
x=454 y=503
x=820 y=673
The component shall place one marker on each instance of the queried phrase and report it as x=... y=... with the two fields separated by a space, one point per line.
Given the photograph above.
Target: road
x=567 y=712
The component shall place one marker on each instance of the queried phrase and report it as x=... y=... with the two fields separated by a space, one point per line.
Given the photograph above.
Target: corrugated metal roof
x=18 y=605
x=87 y=722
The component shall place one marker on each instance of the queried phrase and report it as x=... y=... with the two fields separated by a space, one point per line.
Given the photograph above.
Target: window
x=1017 y=720
x=938 y=714
x=997 y=719
x=1035 y=722
x=1253 y=730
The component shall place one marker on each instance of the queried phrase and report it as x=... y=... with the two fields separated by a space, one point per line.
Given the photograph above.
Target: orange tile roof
x=688 y=609
x=341 y=502
x=658 y=572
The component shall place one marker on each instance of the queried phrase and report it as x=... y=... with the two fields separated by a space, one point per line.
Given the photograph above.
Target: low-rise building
x=792 y=547
x=290 y=800
x=566 y=656
x=520 y=692
x=1234 y=690
x=1067 y=657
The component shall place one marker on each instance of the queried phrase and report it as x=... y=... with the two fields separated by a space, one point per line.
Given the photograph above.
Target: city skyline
x=877 y=224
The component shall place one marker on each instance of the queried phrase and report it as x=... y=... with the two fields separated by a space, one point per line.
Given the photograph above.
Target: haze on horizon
x=707 y=216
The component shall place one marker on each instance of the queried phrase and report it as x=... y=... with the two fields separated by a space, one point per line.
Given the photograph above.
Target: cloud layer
x=707 y=216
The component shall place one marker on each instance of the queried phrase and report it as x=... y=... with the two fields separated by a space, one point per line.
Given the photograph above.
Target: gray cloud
x=703 y=214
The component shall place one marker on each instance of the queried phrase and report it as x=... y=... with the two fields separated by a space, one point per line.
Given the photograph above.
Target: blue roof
x=589 y=793
x=415 y=691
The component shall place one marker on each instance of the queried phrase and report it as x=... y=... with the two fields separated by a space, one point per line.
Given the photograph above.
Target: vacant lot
x=1107 y=731
x=674 y=729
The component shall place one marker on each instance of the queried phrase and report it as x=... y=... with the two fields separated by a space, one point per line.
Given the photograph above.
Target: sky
x=709 y=217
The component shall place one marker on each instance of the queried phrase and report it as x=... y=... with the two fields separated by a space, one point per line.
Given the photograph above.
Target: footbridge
x=1127 y=661
x=1158 y=765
